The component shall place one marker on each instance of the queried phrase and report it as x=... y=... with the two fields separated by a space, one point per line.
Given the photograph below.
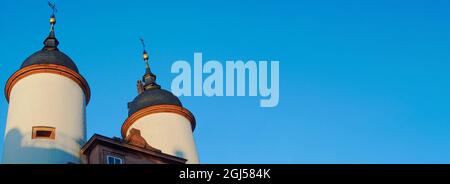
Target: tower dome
x=153 y=97
x=150 y=93
x=50 y=54
x=160 y=117
x=47 y=98
x=50 y=57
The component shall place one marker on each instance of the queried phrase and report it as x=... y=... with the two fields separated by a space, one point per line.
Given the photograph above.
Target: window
x=42 y=132
x=113 y=160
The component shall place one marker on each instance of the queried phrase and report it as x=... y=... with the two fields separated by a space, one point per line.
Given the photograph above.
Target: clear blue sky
x=360 y=81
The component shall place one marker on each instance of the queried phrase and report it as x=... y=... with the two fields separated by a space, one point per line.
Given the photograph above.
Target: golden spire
x=51 y=43
x=145 y=54
x=149 y=79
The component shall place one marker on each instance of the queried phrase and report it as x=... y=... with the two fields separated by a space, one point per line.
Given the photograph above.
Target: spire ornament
x=51 y=43
x=52 y=17
x=149 y=79
x=144 y=54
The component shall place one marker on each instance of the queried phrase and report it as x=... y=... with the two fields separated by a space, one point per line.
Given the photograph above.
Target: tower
x=161 y=118
x=46 y=115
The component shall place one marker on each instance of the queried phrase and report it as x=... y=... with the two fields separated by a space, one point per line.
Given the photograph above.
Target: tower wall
x=51 y=100
x=169 y=132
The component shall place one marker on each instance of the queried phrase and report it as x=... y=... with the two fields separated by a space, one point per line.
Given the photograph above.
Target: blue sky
x=360 y=81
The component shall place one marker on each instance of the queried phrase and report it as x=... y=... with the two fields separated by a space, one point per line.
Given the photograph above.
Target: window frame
x=36 y=129
x=115 y=158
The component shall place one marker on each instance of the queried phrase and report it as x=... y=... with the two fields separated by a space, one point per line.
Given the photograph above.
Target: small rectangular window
x=41 y=132
x=113 y=160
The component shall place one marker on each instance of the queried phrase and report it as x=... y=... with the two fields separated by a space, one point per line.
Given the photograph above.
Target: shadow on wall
x=15 y=153
x=180 y=154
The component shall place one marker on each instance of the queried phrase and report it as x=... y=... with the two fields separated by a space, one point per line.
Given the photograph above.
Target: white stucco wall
x=45 y=99
x=169 y=132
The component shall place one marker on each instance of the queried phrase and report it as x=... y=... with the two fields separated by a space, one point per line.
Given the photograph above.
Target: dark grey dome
x=50 y=57
x=152 y=97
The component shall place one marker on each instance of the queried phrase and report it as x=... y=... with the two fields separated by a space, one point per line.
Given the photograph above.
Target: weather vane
x=142 y=42
x=53 y=7
x=52 y=17
x=145 y=55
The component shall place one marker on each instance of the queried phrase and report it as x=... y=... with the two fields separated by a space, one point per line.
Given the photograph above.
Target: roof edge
x=47 y=68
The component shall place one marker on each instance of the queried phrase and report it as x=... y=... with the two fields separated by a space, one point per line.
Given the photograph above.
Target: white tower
x=164 y=123
x=46 y=115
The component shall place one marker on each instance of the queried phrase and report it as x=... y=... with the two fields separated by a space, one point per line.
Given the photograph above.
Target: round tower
x=47 y=98
x=163 y=121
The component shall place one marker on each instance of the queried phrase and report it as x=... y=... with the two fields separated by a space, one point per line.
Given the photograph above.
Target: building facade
x=46 y=121
x=132 y=150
